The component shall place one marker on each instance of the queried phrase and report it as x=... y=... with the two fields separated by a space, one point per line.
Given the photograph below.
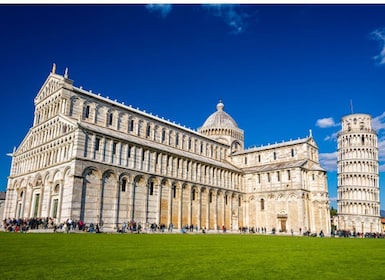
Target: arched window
x=86 y=112
x=163 y=135
x=54 y=207
x=110 y=118
x=174 y=191
x=262 y=204
x=143 y=154
x=148 y=133
x=151 y=190
x=131 y=125
x=124 y=184
x=97 y=143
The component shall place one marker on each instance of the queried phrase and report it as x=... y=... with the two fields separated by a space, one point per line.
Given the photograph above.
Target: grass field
x=188 y=256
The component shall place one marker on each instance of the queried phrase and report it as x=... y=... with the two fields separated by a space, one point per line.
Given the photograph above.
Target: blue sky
x=279 y=69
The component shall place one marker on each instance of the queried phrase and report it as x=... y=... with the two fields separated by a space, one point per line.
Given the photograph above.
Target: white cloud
x=332 y=137
x=328 y=161
x=379 y=35
x=381 y=150
x=382 y=168
x=378 y=122
x=326 y=122
x=162 y=9
x=232 y=16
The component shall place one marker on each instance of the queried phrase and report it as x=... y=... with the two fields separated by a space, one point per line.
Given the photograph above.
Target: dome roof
x=220 y=119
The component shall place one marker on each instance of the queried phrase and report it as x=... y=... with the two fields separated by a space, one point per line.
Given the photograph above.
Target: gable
x=312 y=142
x=52 y=84
x=58 y=124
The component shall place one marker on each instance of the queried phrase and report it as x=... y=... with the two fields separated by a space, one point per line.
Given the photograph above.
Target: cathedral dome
x=219 y=119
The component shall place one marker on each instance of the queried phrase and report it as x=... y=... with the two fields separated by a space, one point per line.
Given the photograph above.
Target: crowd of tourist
x=353 y=234
x=48 y=223
x=23 y=225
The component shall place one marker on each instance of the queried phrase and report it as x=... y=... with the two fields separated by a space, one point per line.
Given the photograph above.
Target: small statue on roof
x=53 y=71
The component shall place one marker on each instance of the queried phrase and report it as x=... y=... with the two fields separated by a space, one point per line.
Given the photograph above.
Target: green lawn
x=188 y=256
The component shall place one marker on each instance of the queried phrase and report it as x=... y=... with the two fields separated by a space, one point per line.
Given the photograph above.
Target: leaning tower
x=358 y=185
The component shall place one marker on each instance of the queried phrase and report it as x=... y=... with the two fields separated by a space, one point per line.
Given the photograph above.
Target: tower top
x=356 y=122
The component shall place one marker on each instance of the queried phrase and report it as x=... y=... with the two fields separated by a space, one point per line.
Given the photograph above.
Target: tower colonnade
x=358 y=178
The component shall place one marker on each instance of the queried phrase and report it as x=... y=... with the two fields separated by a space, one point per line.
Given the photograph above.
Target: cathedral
x=89 y=158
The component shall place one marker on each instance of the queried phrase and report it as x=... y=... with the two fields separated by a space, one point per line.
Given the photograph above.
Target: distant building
x=89 y=158
x=358 y=175
x=2 y=203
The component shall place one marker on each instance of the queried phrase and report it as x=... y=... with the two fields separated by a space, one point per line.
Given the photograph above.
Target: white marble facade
x=90 y=158
x=358 y=175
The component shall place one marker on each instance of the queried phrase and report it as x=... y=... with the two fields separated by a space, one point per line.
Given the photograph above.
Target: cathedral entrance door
x=282 y=218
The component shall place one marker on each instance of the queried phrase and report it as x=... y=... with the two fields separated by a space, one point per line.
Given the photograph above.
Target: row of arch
x=232 y=132
x=47 y=155
x=49 y=131
x=349 y=193
x=358 y=166
x=357 y=153
x=144 y=127
x=116 y=197
x=357 y=208
x=368 y=180
x=125 y=121
x=34 y=195
x=349 y=140
x=151 y=199
x=50 y=87
x=50 y=107
x=140 y=158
